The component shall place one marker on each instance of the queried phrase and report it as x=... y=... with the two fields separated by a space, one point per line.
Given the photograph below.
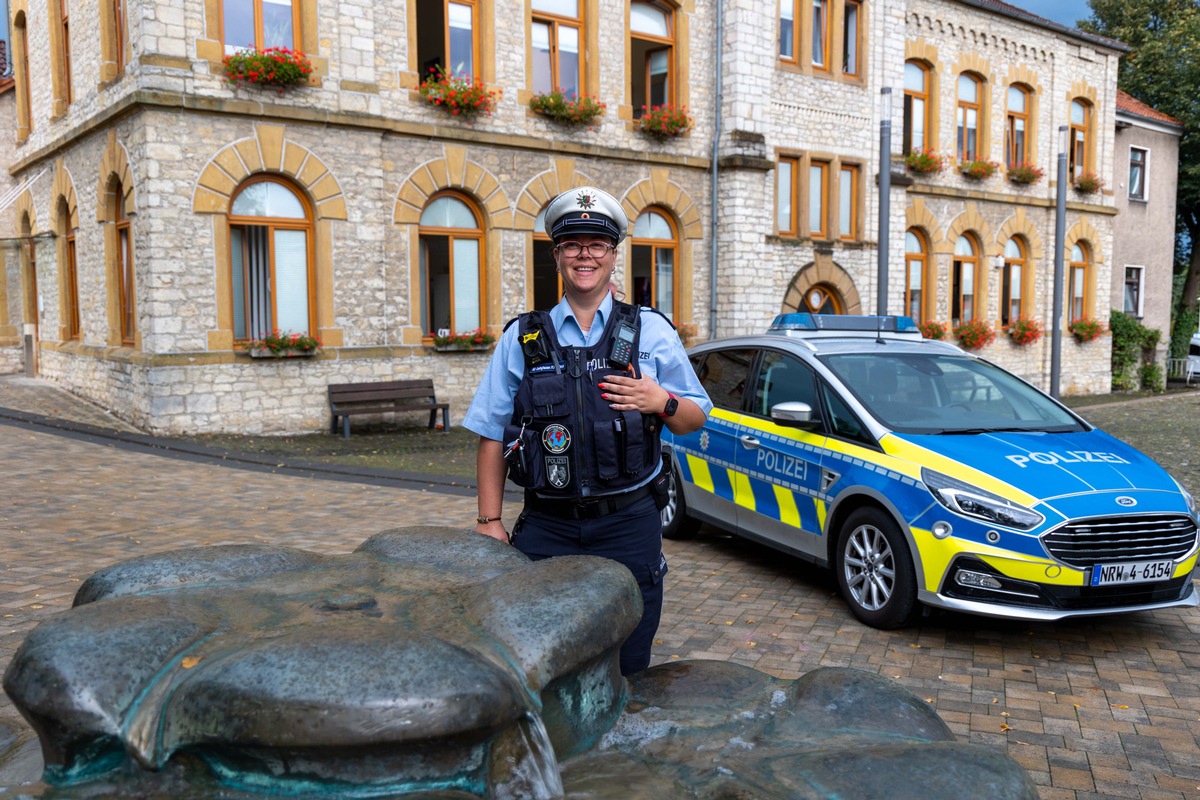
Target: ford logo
x=1126 y=501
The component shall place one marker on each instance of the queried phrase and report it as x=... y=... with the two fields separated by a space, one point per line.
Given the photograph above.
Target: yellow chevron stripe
x=788 y=513
x=700 y=474
x=742 y=493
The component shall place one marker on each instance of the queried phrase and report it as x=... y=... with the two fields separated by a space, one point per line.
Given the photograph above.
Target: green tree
x=1163 y=70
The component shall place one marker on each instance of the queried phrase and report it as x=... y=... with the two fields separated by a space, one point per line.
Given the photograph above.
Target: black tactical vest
x=565 y=440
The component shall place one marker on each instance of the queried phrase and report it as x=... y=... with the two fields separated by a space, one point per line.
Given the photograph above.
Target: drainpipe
x=714 y=194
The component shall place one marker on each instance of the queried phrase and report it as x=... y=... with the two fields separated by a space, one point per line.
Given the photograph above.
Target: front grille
x=1113 y=540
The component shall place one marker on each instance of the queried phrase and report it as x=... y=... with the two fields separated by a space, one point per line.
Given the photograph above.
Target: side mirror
x=794 y=414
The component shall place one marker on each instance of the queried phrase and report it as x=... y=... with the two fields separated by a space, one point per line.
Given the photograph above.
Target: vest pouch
x=548 y=392
x=609 y=444
x=634 y=453
x=524 y=463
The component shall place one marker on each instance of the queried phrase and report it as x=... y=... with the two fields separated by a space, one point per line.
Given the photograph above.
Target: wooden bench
x=384 y=397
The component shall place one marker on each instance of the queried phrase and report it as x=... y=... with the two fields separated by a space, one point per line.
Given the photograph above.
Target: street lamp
x=885 y=195
x=1060 y=239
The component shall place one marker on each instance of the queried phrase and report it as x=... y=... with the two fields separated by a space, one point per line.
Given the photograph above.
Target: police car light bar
x=845 y=323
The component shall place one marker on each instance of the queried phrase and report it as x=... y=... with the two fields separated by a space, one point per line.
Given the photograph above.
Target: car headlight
x=971 y=501
x=1187 y=497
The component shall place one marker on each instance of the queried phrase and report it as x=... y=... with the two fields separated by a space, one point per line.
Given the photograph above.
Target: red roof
x=1131 y=105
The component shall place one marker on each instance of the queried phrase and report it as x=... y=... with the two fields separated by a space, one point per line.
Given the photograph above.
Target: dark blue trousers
x=632 y=536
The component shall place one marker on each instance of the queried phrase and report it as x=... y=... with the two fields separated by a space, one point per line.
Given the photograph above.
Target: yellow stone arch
x=22 y=207
x=543 y=188
x=822 y=271
x=114 y=162
x=1083 y=231
x=454 y=171
x=918 y=215
x=969 y=220
x=1019 y=224
x=660 y=190
x=62 y=187
x=270 y=151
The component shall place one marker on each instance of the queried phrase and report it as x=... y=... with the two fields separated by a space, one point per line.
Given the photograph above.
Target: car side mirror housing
x=794 y=414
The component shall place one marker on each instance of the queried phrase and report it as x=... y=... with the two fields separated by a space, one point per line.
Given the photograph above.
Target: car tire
x=675 y=522
x=875 y=570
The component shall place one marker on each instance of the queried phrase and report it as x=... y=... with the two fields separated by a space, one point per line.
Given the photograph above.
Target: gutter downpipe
x=716 y=141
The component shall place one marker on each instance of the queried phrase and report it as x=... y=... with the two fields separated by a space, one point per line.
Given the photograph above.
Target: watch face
x=672 y=406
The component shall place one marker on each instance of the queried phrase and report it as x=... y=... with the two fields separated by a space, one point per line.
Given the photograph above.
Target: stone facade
x=365 y=157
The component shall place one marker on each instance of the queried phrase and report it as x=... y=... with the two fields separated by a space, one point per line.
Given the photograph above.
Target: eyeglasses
x=595 y=249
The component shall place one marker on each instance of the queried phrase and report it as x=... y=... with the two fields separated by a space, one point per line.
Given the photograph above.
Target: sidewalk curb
x=186 y=450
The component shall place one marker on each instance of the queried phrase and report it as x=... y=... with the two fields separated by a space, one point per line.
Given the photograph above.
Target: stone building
x=1146 y=173
x=168 y=217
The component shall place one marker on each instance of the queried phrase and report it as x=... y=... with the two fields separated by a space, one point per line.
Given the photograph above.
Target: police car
x=923 y=474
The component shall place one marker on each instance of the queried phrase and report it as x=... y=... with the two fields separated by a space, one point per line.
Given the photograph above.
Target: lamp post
x=1060 y=239
x=885 y=196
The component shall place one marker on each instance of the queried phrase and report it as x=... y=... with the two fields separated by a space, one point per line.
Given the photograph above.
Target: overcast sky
x=1068 y=12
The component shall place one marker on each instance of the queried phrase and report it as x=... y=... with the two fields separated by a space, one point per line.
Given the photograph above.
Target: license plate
x=1134 y=572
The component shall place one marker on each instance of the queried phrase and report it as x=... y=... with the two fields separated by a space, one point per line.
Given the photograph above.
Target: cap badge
x=585 y=200
x=585 y=215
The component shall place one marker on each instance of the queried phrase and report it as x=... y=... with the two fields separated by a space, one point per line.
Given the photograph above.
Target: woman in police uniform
x=571 y=408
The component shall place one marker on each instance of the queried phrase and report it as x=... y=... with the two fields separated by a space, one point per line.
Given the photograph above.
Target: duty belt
x=587 y=507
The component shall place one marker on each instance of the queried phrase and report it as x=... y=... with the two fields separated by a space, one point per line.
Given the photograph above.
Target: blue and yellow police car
x=923 y=474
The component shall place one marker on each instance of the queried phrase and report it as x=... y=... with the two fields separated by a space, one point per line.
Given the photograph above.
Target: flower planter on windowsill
x=289 y=352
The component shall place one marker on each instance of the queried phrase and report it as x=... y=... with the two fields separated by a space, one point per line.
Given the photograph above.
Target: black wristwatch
x=671 y=407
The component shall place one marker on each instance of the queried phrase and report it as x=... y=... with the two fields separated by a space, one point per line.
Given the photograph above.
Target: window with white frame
x=1138 y=158
x=1133 y=290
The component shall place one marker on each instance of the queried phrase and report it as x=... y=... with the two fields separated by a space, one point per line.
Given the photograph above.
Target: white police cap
x=586 y=209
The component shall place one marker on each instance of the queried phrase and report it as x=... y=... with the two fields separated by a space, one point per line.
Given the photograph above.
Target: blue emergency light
x=804 y=321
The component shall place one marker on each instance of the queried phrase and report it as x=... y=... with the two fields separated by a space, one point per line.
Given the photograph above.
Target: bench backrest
x=414 y=390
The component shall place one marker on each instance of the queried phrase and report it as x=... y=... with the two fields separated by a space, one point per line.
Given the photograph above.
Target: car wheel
x=875 y=570
x=675 y=522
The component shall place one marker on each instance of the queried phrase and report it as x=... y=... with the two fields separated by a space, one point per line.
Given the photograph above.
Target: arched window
x=120 y=253
x=259 y=24
x=547 y=282
x=916 y=106
x=1081 y=124
x=1079 y=281
x=915 y=264
x=556 y=35
x=1016 y=131
x=1012 y=300
x=963 y=279
x=652 y=55
x=968 y=114
x=72 y=328
x=822 y=298
x=270 y=243
x=452 y=272
x=653 y=268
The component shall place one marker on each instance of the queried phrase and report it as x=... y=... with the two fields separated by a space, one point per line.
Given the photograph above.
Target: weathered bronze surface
x=438 y=663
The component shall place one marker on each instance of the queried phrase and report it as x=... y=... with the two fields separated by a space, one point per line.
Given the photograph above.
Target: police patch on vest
x=557 y=473
x=556 y=439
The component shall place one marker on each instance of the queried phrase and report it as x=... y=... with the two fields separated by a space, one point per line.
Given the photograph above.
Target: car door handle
x=750 y=442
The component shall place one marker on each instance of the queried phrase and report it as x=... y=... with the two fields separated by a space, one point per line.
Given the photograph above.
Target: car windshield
x=946 y=394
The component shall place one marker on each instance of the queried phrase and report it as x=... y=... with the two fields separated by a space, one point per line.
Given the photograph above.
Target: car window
x=724 y=374
x=784 y=379
x=842 y=421
x=930 y=393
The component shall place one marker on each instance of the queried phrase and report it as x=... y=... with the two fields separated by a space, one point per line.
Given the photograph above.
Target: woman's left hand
x=633 y=394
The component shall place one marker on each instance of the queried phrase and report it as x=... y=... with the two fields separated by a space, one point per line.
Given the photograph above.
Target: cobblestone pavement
x=1106 y=707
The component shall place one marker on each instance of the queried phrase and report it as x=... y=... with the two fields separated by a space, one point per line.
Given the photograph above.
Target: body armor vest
x=564 y=440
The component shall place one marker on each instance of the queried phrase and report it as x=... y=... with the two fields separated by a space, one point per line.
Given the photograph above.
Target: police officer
x=571 y=408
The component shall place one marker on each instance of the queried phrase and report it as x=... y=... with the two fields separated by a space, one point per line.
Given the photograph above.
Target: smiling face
x=585 y=275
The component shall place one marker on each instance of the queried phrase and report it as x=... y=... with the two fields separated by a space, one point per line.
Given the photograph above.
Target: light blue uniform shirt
x=662 y=359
